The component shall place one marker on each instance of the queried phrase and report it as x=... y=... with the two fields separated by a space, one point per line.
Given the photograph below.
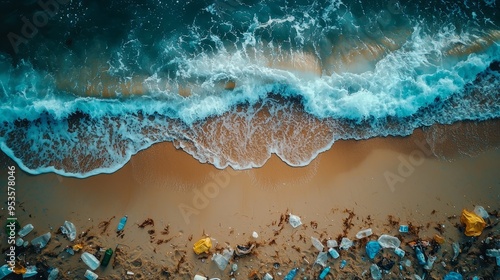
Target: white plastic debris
x=387 y=241
x=294 y=220
x=317 y=244
x=364 y=233
x=331 y=243
x=223 y=259
x=69 y=230
x=130 y=273
x=255 y=235
x=322 y=259
x=480 y=211
x=346 y=243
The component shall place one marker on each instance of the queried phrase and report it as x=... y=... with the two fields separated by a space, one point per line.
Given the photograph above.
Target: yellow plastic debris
x=77 y=247
x=19 y=269
x=439 y=239
x=474 y=224
x=202 y=246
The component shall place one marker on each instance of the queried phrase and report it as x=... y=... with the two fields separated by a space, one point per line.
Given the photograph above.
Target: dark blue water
x=84 y=85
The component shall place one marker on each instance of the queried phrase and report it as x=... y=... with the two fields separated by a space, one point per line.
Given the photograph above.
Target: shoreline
x=342 y=191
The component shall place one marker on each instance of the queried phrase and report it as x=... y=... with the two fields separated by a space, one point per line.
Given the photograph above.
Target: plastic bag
x=474 y=224
x=294 y=220
x=202 y=246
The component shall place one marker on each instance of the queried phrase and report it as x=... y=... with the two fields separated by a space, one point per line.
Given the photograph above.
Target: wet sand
x=377 y=183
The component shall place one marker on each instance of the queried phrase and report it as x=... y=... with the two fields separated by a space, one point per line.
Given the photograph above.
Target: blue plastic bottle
x=343 y=263
x=291 y=274
x=420 y=255
x=324 y=273
x=122 y=223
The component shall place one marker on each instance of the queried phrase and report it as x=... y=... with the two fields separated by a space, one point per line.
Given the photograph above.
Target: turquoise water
x=84 y=85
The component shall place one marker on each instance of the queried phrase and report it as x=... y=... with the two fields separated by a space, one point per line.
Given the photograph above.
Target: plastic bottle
x=41 y=241
x=291 y=274
x=4 y=271
x=90 y=260
x=324 y=273
x=364 y=233
x=90 y=275
x=30 y=271
x=122 y=223
x=430 y=262
x=375 y=271
x=420 y=255
x=343 y=263
x=400 y=252
x=387 y=241
x=333 y=253
x=317 y=244
x=25 y=230
x=107 y=257
x=53 y=274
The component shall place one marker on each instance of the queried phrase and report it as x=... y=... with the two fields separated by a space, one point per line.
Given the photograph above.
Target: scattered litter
x=25 y=230
x=403 y=228
x=222 y=260
x=294 y=220
x=255 y=235
x=387 y=241
x=481 y=212
x=346 y=243
x=30 y=271
x=375 y=271
x=202 y=246
x=385 y=264
x=68 y=228
x=317 y=244
x=121 y=224
x=90 y=275
x=334 y=253
x=456 y=250
x=54 y=272
x=90 y=260
x=322 y=258
x=267 y=276
x=474 y=224
x=372 y=249
x=41 y=241
x=364 y=233
x=453 y=276
x=244 y=250
x=399 y=252
x=331 y=243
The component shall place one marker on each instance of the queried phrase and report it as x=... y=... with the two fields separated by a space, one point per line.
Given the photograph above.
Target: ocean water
x=84 y=85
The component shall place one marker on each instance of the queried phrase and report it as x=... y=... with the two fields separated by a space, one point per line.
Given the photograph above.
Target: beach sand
x=377 y=183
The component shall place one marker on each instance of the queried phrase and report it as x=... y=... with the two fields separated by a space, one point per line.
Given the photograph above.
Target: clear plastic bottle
x=90 y=260
x=25 y=230
x=364 y=233
x=90 y=275
x=121 y=224
x=41 y=241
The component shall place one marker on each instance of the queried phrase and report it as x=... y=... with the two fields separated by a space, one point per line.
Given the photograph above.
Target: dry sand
x=342 y=191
